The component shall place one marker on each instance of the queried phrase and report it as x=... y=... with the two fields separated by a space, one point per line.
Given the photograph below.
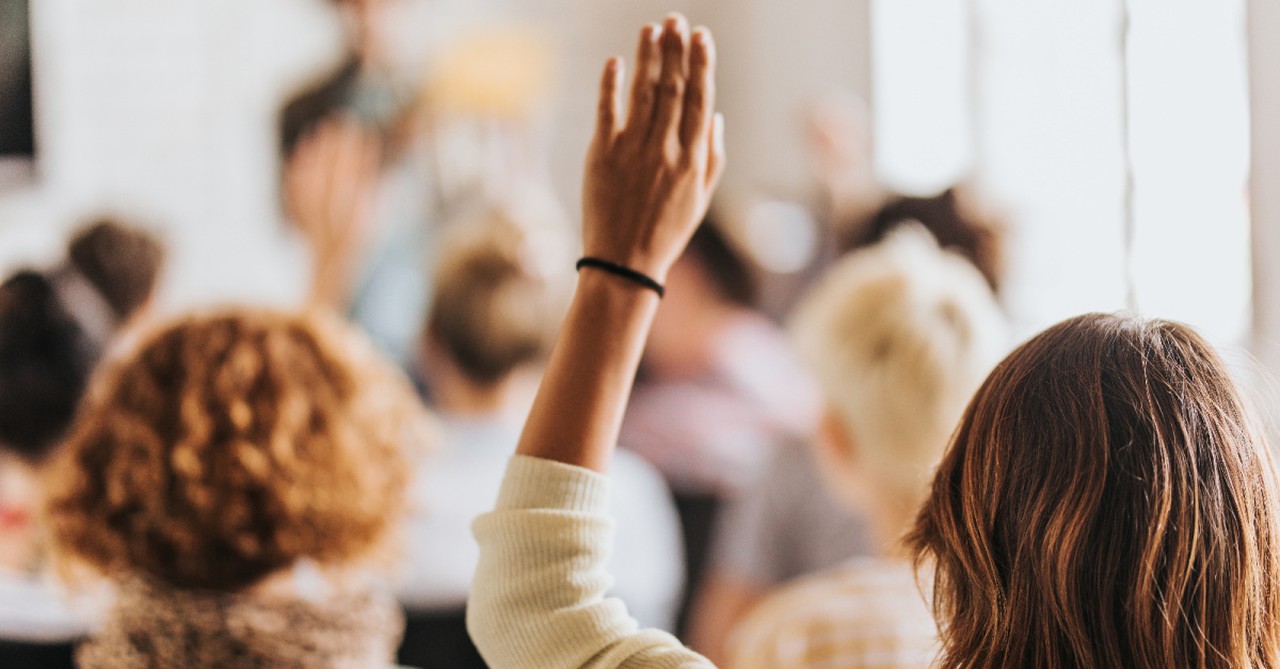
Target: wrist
x=597 y=282
x=619 y=270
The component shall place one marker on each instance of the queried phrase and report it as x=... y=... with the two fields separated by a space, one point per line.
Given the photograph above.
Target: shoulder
x=867 y=611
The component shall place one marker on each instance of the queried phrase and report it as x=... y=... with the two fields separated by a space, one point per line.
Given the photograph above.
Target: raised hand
x=653 y=164
x=329 y=186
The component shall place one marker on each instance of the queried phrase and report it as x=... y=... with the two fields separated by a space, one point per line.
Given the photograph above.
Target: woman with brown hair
x=1104 y=503
x=231 y=475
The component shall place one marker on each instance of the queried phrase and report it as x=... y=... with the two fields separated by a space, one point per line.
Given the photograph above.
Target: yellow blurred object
x=503 y=71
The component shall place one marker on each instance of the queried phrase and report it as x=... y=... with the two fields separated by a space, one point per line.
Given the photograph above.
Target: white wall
x=1264 y=63
x=165 y=112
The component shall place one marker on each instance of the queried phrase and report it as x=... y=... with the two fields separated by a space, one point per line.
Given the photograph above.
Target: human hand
x=329 y=184
x=651 y=168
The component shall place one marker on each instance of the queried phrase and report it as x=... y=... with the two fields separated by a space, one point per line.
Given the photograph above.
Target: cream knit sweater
x=538 y=601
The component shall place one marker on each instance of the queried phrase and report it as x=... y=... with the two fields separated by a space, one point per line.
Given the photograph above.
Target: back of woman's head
x=494 y=310
x=898 y=336
x=1106 y=503
x=228 y=446
x=45 y=362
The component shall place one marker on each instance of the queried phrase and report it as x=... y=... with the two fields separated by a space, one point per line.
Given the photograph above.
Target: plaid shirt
x=867 y=614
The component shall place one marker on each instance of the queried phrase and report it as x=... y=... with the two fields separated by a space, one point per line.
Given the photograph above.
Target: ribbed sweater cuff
x=535 y=483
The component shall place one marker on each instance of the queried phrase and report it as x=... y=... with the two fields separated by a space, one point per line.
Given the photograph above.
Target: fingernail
x=652 y=32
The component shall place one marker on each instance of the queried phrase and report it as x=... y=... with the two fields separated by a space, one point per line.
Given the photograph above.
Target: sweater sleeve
x=538 y=599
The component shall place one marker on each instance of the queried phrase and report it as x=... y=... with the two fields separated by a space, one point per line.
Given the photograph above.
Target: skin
x=651 y=170
x=329 y=185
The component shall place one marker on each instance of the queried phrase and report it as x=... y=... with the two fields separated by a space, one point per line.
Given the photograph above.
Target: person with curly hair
x=232 y=475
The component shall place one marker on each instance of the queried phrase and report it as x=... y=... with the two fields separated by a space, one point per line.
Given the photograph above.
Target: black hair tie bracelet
x=624 y=272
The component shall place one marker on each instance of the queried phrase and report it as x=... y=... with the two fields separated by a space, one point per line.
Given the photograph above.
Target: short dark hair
x=45 y=362
x=120 y=261
x=730 y=271
x=979 y=238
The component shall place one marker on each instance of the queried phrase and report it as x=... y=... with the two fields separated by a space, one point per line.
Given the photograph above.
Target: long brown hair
x=1106 y=502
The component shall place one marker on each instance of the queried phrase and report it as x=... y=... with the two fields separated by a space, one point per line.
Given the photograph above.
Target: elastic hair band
x=624 y=272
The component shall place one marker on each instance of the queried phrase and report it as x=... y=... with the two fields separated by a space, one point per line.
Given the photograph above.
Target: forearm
x=578 y=411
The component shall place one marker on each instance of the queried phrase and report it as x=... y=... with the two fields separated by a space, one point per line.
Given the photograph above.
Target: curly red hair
x=228 y=446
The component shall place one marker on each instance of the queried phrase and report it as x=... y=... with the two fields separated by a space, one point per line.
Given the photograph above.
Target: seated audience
x=898 y=335
x=1104 y=502
x=785 y=525
x=487 y=335
x=233 y=474
x=54 y=328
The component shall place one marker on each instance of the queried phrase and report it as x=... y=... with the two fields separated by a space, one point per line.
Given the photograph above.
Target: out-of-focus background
x=1113 y=136
x=416 y=165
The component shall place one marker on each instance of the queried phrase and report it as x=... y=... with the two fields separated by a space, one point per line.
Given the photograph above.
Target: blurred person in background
x=54 y=329
x=720 y=391
x=382 y=153
x=487 y=334
x=899 y=335
x=354 y=130
x=786 y=525
x=862 y=211
x=235 y=475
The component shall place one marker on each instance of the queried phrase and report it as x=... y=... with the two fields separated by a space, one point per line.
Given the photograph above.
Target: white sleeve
x=538 y=598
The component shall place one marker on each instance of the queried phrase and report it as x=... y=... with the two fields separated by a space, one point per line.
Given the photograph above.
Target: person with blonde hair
x=232 y=475
x=898 y=335
x=1104 y=502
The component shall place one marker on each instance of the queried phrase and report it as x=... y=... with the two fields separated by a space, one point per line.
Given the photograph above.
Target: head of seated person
x=55 y=326
x=46 y=358
x=1106 y=501
x=45 y=361
x=122 y=263
x=492 y=317
x=898 y=336
x=219 y=454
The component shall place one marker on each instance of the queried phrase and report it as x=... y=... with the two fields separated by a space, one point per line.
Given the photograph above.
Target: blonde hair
x=228 y=446
x=898 y=337
x=494 y=309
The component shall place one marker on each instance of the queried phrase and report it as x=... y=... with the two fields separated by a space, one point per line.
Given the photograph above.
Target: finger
x=669 y=98
x=648 y=65
x=700 y=93
x=715 y=158
x=610 y=109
